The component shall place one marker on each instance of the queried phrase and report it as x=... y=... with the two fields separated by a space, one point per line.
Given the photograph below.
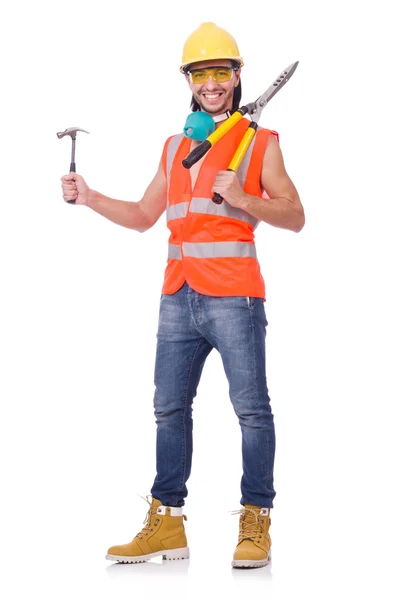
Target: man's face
x=214 y=98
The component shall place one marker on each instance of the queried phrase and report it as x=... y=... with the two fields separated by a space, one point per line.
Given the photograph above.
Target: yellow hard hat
x=209 y=42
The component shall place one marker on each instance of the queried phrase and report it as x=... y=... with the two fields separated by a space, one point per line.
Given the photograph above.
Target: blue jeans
x=190 y=326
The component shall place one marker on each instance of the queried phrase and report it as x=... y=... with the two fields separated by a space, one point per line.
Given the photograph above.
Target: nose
x=210 y=84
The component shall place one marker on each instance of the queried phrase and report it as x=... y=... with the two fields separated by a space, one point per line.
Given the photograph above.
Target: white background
x=79 y=303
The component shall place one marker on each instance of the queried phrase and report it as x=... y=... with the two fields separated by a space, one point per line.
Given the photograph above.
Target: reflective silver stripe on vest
x=177 y=211
x=174 y=251
x=219 y=249
x=243 y=168
x=207 y=207
x=171 y=151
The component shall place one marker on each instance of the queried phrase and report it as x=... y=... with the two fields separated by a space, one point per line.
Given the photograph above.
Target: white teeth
x=211 y=96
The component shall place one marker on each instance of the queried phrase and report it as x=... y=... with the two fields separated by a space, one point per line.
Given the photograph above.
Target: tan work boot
x=163 y=535
x=253 y=547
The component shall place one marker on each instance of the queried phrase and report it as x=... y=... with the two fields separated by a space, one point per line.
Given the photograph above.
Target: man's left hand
x=228 y=186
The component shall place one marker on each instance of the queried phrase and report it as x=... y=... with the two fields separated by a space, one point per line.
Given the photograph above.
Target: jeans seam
x=252 y=326
x=183 y=417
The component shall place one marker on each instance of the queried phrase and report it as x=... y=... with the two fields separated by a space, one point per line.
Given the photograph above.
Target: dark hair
x=194 y=105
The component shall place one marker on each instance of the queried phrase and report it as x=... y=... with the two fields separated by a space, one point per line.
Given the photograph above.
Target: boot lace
x=147 y=522
x=251 y=526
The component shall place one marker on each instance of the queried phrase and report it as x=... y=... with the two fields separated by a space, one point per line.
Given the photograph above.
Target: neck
x=222 y=117
x=219 y=118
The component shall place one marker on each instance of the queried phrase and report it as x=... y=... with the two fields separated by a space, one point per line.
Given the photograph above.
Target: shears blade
x=255 y=108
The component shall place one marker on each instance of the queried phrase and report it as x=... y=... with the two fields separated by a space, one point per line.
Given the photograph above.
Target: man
x=212 y=297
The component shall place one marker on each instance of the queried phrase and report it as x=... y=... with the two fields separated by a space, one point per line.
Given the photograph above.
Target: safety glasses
x=218 y=74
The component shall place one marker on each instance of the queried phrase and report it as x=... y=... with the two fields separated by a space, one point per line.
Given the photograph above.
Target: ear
x=237 y=78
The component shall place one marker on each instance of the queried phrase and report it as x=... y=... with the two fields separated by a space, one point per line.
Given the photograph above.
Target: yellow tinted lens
x=199 y=76
x=221 y=74
x=218 y=74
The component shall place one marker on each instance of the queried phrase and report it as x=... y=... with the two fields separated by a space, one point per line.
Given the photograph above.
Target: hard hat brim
x=237 y=59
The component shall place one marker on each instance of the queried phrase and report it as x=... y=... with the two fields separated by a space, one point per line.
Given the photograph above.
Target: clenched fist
x=75 y=188
x=228 y=186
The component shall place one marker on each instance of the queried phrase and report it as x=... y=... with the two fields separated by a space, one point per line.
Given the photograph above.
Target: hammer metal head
x=71 y=131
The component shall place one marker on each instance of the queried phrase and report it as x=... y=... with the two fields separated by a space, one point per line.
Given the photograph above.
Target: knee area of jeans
x=164 y=413
x=172 y=416
x=258 y=420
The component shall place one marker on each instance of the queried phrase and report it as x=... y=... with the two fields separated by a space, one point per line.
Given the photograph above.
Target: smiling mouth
x=212 y=96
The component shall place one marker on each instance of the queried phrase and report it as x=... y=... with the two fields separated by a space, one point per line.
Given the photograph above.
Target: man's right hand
x=75 y=188
x=134 y=215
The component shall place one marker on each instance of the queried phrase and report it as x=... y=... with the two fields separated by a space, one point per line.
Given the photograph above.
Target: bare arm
x=135 y=215
x=283 y=208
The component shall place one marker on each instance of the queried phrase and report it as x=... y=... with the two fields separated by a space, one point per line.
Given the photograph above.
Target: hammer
x=72 y=132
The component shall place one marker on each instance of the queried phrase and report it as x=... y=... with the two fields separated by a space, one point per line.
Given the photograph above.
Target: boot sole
x=246 y=564
x=175 y=554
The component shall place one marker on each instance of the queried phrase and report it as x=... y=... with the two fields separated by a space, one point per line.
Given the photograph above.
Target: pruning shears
x=254 y=109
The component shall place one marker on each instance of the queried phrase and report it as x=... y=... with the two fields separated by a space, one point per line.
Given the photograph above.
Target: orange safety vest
x=212 y=246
